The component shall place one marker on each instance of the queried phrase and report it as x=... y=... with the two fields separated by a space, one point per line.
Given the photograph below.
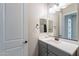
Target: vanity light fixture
x=57 y=7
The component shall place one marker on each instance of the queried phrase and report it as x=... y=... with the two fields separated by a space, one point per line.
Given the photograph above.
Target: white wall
x=35 y=12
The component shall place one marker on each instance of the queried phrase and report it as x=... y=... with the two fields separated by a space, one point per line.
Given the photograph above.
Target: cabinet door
x=57 y=51
x=51 y=53
x=43 y=51
x=42 y=48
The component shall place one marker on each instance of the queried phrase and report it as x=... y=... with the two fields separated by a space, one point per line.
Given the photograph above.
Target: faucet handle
x=56 y=38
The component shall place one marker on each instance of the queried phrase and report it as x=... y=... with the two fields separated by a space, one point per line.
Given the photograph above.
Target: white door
x=14 y=40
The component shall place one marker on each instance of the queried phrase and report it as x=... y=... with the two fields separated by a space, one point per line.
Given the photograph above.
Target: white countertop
x=62 y=45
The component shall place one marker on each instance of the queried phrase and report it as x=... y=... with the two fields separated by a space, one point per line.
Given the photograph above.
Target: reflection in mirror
x=43 y=25
x=50 y=26
x=70 y=26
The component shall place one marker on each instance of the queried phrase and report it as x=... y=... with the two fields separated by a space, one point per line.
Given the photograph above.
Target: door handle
x=25 y=42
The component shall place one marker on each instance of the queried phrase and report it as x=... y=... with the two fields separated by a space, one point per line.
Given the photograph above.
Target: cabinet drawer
x=57 y=51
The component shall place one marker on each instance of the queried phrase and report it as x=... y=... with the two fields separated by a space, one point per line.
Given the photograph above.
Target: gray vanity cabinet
x=42 y=48
x=49 y=50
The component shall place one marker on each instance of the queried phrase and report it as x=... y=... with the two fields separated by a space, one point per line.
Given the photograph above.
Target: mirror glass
x=69 y=23
x=50 y=26
x=43 y=25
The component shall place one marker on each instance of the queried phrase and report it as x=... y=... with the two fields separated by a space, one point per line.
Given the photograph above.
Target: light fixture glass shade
x=55 y=7
x=63 y=5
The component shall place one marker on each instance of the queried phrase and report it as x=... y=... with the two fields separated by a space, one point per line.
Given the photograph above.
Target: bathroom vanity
x=51 y=47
